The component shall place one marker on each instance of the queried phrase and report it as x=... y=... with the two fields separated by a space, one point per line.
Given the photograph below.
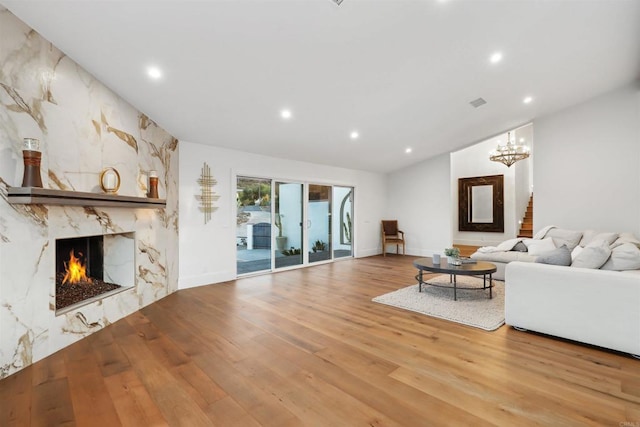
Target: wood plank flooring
x=308 y=347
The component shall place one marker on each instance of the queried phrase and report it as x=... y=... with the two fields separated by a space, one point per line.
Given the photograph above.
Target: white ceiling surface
x=401 y=72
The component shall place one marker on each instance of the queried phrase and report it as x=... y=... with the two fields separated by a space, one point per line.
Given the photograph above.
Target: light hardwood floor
x=308 y=347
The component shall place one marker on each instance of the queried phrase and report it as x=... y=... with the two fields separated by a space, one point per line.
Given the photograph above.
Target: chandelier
x=510 y=153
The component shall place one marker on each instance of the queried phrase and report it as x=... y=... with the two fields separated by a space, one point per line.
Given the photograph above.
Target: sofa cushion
x=537 y=247
x=594 y=255
x=626 y=256
x=592 y=235
x=561 y=237
x=558 y=256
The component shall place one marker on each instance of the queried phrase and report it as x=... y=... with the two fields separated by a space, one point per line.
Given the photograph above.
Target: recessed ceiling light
x=496 y=57
x=286 y=114
x=354 y=135
x=408 y=150
x=154 y=72
x=527 y=100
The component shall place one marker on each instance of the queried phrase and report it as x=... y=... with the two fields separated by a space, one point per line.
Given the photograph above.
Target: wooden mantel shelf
x=45 y=196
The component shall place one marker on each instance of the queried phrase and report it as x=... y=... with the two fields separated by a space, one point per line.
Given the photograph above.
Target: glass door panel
x=253 y=225
x=319 y=223
x=287 y=222
x=342 y=224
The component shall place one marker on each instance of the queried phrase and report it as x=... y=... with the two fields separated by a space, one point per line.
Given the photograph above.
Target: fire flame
x=75 y=271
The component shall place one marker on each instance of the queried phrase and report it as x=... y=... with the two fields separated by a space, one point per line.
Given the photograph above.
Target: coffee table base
x=453 y=280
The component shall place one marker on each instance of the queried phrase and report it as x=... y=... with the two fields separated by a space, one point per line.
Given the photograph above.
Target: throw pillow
x=624 y=257
x=538 y=247
x=594 y=255
x=591 y=236
x=559 y=256
x=561 y=237
x=520 y=247
x=575 y=252
x=628 y=238
x=507 y=245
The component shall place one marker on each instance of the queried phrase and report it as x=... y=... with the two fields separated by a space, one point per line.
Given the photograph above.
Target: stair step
x=526 y=226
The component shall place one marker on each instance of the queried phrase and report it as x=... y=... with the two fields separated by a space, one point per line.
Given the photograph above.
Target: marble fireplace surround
x=83 y=128
x=117 y=262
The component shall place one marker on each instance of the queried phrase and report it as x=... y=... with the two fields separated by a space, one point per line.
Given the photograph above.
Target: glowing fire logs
x=75 y=271
x=74 y=286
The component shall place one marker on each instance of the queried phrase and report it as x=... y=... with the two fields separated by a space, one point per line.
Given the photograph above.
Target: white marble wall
x=83 y=127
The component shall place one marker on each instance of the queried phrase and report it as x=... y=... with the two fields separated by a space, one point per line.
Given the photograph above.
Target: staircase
x=526 y=228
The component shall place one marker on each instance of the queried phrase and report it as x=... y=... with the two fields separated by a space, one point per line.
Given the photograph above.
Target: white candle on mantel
x=110 y=182
x=30 y=144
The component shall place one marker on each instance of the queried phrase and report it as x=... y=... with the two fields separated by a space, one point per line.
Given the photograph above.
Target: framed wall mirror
x=481 y=204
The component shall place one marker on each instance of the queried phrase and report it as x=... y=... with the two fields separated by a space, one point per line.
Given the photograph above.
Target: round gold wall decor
x=110 y=180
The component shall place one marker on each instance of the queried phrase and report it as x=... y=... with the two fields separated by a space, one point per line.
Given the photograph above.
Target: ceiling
x=400 y=72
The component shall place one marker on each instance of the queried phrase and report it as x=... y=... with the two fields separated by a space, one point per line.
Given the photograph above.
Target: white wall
x=587 y=164
x=474 y=161
x=208 y=252
x=419 y=197
x=523 y=174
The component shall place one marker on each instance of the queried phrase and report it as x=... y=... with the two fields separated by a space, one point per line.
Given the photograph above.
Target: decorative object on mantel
x=153 y=184
x=207 y=196
x=510 y=153
x=110 y=180
x=31 y=156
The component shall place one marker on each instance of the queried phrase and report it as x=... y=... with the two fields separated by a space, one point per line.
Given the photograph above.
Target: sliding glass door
x=342 y=222
x=319 y=223
x=283 y=224
x=288 y=220
x=253 y=225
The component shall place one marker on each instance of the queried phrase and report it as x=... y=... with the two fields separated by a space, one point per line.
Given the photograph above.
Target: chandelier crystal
x=510 y=153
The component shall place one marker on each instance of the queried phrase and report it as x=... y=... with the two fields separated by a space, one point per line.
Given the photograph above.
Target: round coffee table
x=479 y=268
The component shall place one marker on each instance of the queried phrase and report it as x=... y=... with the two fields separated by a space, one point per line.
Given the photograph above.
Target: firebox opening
x=88 y=249
x=86 y=268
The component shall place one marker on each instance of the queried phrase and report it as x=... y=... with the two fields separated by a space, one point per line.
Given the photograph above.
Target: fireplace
x=90 y=268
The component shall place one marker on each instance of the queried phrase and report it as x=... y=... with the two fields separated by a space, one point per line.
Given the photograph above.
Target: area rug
x=473 y=307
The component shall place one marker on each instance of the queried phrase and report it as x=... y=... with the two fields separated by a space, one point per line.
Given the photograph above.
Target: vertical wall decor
x=207 y=196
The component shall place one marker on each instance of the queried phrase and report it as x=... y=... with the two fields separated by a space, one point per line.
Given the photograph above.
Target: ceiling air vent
x=478 y=102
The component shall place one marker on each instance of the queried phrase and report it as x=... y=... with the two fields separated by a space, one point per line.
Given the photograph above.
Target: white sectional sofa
x=593 y=297
x=598 y=307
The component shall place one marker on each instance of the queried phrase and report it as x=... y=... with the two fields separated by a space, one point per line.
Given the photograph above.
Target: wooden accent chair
x=391 y=235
